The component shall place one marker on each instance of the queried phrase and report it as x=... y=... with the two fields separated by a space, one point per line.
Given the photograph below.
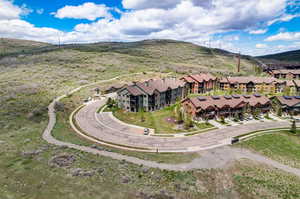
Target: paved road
x=101 y=127
x=214 y=158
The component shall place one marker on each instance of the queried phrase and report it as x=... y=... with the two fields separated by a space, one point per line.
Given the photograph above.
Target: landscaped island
x=164 y=121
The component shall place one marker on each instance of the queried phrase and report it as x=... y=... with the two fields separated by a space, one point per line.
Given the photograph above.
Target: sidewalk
x=216 y=124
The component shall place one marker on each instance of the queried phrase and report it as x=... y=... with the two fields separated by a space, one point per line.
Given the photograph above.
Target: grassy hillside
x=290 y=56
x=15 y=45
x=30 y=78
x=153 y=54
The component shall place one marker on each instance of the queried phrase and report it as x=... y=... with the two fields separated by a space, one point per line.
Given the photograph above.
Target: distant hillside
x=290 y=56
x=164 y=55
x=16 y=45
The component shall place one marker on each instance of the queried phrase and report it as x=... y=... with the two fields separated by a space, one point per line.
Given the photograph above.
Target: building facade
x=285 y=74
x=211 y=107
x=288 y=104
x=200 y=83
x=252 y=84
x=151 y=95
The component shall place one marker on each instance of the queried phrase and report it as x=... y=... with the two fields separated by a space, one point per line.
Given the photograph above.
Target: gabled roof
x=297 y=82
x=288 y=101
x=134 y=90
x=201 y=77
x=295 y=72
x=255 y=80
x=150 y=86
x=205 y=102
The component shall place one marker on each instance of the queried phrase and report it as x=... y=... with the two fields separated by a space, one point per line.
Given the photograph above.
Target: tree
x=142 y=115
x=178 y=113
x=222 y=119
x=293 y=127
x=188 y=123
x=109 y=102
x=256 y=112
x=287 y=91
x=236 y=117
x=279 y=111
x=258 y=70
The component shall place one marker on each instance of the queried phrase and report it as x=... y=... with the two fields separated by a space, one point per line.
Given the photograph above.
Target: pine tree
x=293 y=127
x=279 y=111
x=142 y=116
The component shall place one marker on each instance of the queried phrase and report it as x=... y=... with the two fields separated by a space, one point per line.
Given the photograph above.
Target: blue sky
x=254 y=27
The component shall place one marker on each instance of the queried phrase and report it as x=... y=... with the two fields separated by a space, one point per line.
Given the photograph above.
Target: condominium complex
x=151 y=95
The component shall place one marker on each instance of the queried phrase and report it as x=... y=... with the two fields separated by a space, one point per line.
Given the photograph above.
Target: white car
x=146 y=131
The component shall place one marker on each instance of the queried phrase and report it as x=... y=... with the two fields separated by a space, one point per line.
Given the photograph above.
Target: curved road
x=97 y=126
x=216 y=158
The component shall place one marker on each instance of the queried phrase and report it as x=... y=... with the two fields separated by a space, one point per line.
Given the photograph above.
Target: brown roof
x=255 y=80
x=234 y=101
x=290 y=83
x=288 y=100
x=201 y=77
x=188 y=79
x=116 y=86
x=297 y=82
x=286 y=71
x=161 y=85
x=134 y=90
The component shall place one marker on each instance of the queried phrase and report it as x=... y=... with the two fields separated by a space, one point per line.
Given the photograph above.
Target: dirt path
x=214 y=158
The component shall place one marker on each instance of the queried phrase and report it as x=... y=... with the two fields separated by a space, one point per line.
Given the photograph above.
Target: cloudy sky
x=252 y=27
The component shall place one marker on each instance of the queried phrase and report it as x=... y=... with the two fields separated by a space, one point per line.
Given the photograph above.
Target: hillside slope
x=290 y=56
x=8 y=46
x=154 y=54
x=30 y=168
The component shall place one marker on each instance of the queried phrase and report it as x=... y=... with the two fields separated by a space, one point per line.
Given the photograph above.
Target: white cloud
x=257 y=32
x=87 y=10
x=283 y=18
x=284 y=36
x=261 y=45
x=144 y=4
x=9 y=11
x=188 y=20
x=40 y=11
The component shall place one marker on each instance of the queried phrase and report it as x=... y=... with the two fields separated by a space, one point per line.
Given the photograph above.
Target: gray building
x=151 y=95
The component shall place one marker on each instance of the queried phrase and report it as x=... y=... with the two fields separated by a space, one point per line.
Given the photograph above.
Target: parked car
x=146 y=131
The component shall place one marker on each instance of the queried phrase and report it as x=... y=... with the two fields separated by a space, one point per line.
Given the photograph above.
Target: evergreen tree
x=293 y=127
x=279 y=111
x=142 y=115
x=236 y=117
x=109 y=102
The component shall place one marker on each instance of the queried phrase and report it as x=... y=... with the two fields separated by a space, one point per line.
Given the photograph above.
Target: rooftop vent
x=201 y=98
x=287 y=97
x=215 y=97
x=227 y=97
x=257 y=95
x=236 y=96
x=247 y=96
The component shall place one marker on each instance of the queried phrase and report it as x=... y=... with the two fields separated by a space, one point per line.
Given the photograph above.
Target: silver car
x=146 y=131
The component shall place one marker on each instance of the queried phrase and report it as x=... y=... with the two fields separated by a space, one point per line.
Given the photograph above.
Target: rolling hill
x=153 y=54
x=290 y=56
x=33 y=73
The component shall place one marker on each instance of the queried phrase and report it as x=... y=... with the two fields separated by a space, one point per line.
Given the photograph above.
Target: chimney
x=239 y=63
